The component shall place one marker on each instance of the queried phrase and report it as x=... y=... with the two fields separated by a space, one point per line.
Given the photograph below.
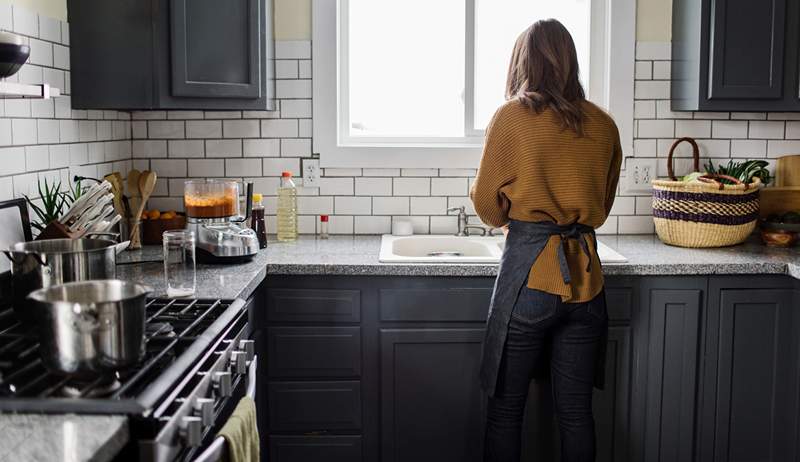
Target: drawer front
x=314 y=305
x=458 y=304
x=314 y=406
x=344 y=448
x=314 y=351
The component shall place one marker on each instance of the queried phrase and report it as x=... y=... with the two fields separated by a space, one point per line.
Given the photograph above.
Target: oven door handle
x=216 y=449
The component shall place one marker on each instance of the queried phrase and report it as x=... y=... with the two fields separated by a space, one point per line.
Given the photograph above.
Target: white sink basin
x=455 y=249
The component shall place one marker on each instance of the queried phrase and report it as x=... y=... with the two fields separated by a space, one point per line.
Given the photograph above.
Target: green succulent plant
x=55 y=202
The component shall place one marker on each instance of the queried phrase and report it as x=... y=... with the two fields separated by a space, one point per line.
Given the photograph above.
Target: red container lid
x=323 y=218
x=286 y=174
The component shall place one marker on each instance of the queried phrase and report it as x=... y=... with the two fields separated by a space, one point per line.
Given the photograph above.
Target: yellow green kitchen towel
x=241 y=433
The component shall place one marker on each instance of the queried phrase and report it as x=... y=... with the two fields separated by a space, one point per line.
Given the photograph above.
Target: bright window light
x=405 y=68
x=498 y=23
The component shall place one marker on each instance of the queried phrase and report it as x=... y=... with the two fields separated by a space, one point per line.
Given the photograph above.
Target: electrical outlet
x=311 y=173
x=638 y=175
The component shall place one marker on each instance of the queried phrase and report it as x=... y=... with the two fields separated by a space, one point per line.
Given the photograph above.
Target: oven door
x=216 y=450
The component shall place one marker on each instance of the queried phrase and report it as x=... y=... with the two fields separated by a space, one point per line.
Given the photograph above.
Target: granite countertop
x=358 y=255
x=67 y=437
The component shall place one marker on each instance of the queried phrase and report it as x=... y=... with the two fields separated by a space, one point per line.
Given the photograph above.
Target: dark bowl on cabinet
x=12 y=57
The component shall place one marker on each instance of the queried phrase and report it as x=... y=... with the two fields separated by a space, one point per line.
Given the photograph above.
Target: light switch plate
x=638 y=175
x=311 y=173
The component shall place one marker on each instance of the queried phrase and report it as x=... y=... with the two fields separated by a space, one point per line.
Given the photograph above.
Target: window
x=414 y=82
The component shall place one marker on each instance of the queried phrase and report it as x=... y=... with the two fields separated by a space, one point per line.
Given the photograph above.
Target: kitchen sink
x=458 y=249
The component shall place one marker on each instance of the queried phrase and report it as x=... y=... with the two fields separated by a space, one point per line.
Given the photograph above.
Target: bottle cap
x=286 y=174
x=257 y=197
x=323 y=218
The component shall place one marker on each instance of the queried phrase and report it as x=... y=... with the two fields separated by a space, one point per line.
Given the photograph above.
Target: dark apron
x=524 y=243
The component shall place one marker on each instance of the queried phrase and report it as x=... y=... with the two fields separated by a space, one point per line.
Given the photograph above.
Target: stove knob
x=239 y=362
x=223 y=384
x=192 y=431
x=249 y=347
x=204 y=408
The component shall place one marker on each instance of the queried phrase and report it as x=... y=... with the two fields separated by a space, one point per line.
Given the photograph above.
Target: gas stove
x=199 y=361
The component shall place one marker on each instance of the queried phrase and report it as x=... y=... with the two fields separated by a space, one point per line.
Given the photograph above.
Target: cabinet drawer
x=445 y=304
x=314 y=351
x=344 y=448
x=314 y=406
x=314 y=305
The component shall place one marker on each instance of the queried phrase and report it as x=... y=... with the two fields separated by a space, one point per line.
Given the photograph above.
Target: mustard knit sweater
x=532 y=170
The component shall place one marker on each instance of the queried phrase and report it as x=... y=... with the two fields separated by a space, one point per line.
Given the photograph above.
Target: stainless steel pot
x=39 y=264
x=90 y=328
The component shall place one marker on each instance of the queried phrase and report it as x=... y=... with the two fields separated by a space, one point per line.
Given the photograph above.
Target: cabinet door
x=753 y=351
x=673 y=353
x=747 y=49
x=216 y=51
x=432 y=406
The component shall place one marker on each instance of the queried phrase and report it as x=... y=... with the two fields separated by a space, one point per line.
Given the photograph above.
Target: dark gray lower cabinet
x=432 y=406
x=386 y=369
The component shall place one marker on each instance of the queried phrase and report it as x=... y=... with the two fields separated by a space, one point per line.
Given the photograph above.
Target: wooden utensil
x=116 y=188
x=147 y=183
x=133 y=191
x=787 y=171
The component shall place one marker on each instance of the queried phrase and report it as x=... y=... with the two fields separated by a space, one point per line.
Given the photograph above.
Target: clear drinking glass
x=179 y=266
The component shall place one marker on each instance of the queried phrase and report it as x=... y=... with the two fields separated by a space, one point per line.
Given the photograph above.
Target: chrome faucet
x=463 y=223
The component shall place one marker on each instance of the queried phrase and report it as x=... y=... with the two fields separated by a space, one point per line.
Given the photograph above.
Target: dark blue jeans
x=544 y=328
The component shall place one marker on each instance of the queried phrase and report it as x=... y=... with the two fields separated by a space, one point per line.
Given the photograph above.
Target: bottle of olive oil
x=287 y=209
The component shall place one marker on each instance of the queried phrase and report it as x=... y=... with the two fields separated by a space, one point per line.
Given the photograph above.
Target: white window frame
x=611 y=87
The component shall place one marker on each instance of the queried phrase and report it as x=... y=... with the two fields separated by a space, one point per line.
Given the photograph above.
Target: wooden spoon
x=116 y=188
x=147 y=183
x=133 y=190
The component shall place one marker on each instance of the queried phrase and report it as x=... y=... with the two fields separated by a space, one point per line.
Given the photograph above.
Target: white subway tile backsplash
x=729 y=129
x=444 y=225
x=645 y=109
x=5 y=132
x=17 y=107
x=296 y=147
x=315 y=205
x=296 y=108
x=185 y=148
x=304 y=66
x=149 y=148
x=286 y=69
x=42 y=108
x=643 y=70
x=23 y=131
x=390 y=205
x=279 y=128
x=262 y=148
x=778 y=148
x=651 y=89
x=61 y=57
x=242 y=167
x=165 y=129
x=373 y=225
x=12 y=161
x=767 y=130
x=429 y=205
x=240 y=129
x=636 y=225
x=41 y=53
x=223 y=114
x=293 y=49
x=25 y=21
x=412 y=186
x=37 y=158
x=203 y=129
x=692 y=128
x=304 y=128
x=448 y=186
x=47 y=131
x=275 y=166
x=661 y=70
x=336 y=186
x=656 y=129
x=6 y=22
x=293 y=88
x=199 y=168
x=169 y=167
x=748 y=148
x=344 y=205
x=224 y=148
x=373 y=186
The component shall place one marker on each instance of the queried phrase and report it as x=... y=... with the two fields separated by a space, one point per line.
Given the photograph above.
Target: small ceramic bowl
x=13 y=54
x=780 y=234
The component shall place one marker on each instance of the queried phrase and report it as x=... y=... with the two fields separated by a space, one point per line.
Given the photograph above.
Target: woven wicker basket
x=705 y=213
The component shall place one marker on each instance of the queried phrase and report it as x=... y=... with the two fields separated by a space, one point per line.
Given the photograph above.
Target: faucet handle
x=460 y=209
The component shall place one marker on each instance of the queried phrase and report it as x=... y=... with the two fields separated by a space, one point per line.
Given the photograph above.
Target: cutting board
x=779 y=200
x=787 y=171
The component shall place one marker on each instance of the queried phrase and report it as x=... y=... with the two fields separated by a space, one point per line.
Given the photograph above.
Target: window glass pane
x=498 y=23
x=406 y=68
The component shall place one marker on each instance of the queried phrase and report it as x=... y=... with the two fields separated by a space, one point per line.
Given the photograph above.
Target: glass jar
x=211 y=198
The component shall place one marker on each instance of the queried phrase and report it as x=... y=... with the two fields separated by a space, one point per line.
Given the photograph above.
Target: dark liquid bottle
x=257 y=221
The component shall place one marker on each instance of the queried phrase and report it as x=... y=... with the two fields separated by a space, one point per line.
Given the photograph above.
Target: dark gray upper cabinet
x=735 y=55
x=171 y=54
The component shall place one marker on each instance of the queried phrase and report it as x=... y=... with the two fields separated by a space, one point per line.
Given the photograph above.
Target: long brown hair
x=543 y=73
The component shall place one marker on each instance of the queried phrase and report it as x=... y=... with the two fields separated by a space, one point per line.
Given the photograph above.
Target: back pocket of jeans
x=534 y=306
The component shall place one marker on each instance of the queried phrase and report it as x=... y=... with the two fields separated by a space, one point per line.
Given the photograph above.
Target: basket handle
x=695 y=156
x=709 y=178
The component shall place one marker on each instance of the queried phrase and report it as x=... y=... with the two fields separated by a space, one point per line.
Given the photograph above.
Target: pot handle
x=39 y=259
x=119 y=248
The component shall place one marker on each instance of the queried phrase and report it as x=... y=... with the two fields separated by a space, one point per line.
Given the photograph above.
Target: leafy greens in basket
x=743 y=171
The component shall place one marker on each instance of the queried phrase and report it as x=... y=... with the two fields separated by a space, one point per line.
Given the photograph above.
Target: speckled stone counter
x=358 y=255
x=146 y=266
x=68 y=437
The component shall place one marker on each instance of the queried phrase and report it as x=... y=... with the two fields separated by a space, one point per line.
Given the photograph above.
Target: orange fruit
x=153 y=214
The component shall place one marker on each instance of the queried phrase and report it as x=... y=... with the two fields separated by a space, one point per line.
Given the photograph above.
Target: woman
x=549 y=171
